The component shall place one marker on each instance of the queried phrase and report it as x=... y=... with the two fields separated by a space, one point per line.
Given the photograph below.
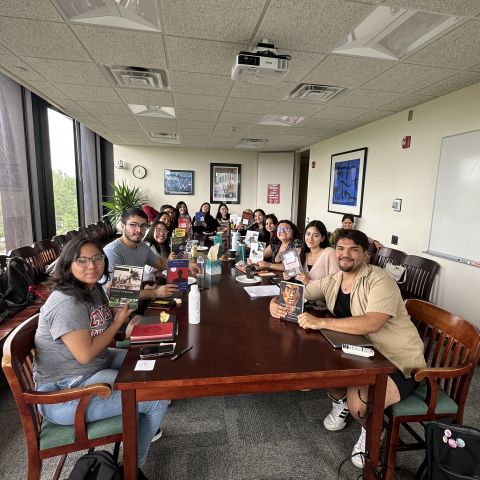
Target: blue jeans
x=150 y=413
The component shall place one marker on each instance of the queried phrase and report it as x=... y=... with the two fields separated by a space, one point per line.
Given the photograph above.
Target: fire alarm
x=406 y=141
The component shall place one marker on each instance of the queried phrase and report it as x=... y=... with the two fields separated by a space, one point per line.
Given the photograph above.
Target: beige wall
x=408 y=174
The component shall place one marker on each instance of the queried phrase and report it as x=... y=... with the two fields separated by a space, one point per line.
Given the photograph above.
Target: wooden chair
x=46 y=252
x=44 y=439
x=28 y=254
x=419 y=277
x=388 y=255
x=452 y=351
x=59 y=241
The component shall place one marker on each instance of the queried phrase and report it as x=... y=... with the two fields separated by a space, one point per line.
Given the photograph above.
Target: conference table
x=239 y=348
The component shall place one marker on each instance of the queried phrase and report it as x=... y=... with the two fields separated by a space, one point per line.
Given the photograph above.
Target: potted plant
x=123 y=197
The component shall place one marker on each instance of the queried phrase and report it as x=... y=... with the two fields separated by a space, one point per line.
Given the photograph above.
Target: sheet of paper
x=145 y=365
x=262 y=291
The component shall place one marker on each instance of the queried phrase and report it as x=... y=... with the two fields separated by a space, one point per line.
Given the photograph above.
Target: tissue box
x=213 y=267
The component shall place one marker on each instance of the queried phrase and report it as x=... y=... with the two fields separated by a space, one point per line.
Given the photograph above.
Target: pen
x=178 y=355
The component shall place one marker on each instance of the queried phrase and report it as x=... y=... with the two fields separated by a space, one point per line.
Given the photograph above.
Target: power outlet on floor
x=394 y=240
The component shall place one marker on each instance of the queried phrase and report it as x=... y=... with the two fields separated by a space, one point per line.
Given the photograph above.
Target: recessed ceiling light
x=138 y=15
x=280 y=120
x=152 y=111
x=311 y=92
x=392 y=32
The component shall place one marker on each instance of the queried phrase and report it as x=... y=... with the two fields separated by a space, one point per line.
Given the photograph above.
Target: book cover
x=291 y=296
x=177 y=244
x=251 y=236
x=154 y=328
x=177 y=273
x=126 y=285
x=257 y=250
x=291 y=263
x=184 y=223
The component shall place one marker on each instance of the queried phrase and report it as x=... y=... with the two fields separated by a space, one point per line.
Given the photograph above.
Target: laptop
x=336 y=339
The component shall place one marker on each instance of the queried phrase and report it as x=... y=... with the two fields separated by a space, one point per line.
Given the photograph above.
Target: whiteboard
x=455 y=230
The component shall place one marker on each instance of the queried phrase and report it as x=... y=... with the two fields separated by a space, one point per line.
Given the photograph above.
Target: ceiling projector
x=263 y=65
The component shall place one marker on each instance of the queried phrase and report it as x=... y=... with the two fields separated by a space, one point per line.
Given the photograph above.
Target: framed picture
x=178 y=182
x=347 y=179
x=225 y=182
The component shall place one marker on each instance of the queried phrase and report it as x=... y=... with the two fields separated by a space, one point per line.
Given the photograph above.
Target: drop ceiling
x=63 y=62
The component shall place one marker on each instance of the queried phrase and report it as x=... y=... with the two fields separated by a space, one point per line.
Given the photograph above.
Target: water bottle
x=194 y=305
x=200 y=264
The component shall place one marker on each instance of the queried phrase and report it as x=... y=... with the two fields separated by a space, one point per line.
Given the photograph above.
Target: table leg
x=376 y=398
x=129 y=424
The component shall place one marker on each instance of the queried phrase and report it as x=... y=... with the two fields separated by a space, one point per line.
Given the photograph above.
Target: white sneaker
x=358 y=452
x=335 y=420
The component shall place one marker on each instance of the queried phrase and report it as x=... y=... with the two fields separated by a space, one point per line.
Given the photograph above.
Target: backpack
x=452 y=452
x=16 y=285
x=97 y=465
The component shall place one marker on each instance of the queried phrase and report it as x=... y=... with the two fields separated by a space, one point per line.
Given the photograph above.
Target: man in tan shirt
x=366 y=301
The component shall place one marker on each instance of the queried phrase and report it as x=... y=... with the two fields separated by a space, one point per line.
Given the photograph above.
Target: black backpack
x=97 y=465
x=452 y=452
x=16 y=283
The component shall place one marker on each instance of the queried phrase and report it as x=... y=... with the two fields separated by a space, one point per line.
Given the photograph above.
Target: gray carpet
x=247 y=437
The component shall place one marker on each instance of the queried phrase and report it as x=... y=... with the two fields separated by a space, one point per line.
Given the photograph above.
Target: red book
x=149 y=330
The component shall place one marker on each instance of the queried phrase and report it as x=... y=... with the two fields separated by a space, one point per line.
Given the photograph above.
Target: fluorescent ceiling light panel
x=137 y=15
x=390 y=33
x=152 y=111
x=312 y=93
x=280 y=120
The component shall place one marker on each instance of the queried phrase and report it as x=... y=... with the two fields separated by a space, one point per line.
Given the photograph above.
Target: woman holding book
x=204 y=222
x=223 y=216
x=288 y=238
x=75 y=328
x=259 y=226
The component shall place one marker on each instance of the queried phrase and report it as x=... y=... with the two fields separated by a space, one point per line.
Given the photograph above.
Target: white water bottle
x=194 y=305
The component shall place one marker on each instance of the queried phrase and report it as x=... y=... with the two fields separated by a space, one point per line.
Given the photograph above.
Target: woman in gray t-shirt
x=74 y=330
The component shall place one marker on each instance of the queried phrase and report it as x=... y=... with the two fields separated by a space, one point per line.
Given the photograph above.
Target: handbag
x=397 y=272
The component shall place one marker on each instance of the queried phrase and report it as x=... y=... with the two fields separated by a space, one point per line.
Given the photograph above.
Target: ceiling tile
x=244 y=105
x=89 y=93
x=200 y=83
x=459 y=80
x=35 y=9
x=19 y=68
x=312 y=25
x=407 y=102
x=228 y=20
x=340 y=113
x=294 y=108
x=122 y=47
x=103 y=107
x=63 y=71
x=454 y=7
x=366 y=98
x=198 y=102
x=346 y=71
x=146 y=97
x=265 y=92
x=189 y=55
x=408 y=78
x=200 y=115
x=40 y=39
x=458 y=49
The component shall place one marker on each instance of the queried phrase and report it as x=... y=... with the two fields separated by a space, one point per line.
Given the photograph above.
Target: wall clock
x=139 y=171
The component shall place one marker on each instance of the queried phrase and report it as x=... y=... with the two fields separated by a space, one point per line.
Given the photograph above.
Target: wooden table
x=238 y=348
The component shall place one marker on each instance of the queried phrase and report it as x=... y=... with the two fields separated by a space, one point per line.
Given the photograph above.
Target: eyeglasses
x=84 y=261
x=141 y=226
x=283 y=229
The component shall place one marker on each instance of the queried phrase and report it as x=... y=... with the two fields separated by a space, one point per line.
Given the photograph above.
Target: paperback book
x=154 y=328
x=291 y=297
x=126 y=285
x=177 y=273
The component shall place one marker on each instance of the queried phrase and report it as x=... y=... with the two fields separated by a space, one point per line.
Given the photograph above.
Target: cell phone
x=157 y=351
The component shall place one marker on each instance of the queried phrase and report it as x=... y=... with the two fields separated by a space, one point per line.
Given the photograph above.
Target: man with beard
x=364 y=300
x=130 y=249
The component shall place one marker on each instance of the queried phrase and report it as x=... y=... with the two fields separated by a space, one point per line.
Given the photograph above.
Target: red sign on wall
x=273 y=193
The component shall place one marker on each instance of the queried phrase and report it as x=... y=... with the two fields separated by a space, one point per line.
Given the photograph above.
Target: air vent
x=152 y=111
x=310 y=92
x=138 y=77
x=169 y=138
x=251 y=142
x=280 y=120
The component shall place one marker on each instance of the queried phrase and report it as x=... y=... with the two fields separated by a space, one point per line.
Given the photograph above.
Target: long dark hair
x=150 y=237
x=219 y=215
x=63 y=278
x=323 y=244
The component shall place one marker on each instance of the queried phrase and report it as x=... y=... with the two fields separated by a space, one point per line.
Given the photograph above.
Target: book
x=126 y=285
x=251 y=236
x=154 y=328
x=257 y=250
x=291 y=263
x=177 y=273
x=291 y=296
x=184 y=222
x=177 y=244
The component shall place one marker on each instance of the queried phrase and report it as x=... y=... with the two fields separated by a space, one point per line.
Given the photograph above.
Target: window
x=64 y=175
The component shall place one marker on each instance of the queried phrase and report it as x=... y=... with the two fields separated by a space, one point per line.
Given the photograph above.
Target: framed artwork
x=225 y=182
x=347 y=179
x=178 y=182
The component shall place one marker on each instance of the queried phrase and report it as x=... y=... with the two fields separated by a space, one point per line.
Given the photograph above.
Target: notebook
x=336 y=339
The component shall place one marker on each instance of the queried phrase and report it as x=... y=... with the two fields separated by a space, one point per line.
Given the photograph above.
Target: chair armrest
x=419 y=374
